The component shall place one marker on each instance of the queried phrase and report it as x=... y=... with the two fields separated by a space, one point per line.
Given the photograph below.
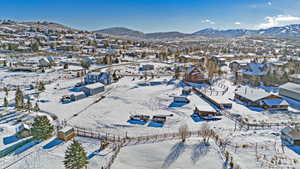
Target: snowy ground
x=150 y=97
x=171 y=154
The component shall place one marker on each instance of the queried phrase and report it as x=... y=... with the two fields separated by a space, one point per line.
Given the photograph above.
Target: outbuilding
x=93 y=89
x=181 y=99
x=77 y=96
x=66 y=134
x=291 y=90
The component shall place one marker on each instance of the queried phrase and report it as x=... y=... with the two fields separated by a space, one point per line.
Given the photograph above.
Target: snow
x=148 y=97
x=170 y=154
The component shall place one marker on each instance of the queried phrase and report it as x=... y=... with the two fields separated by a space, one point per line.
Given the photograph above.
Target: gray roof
x=94 y=86
x=291 y=87
x=252 y=94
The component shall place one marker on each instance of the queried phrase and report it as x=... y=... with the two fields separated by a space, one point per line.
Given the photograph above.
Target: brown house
x=195 y=75
x=260 y=98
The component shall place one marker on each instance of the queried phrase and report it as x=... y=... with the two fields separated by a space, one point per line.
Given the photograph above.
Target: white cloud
x=208 y=21
x=237 y=23
x=269 y=3
x=279 y=20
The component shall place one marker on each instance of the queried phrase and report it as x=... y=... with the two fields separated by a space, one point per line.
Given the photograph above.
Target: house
x=66 y=134
x=195 y=75
x=93 y=89
x=291 y=90
x=181 y=99
x=94 y=77
x=190 y=59
x=254 y=69
x=291 y=135
x=260 y=98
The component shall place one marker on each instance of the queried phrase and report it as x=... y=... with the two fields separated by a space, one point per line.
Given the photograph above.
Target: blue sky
x=155 y=15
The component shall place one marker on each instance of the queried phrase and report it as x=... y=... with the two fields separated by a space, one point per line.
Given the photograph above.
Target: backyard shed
x=66 y=133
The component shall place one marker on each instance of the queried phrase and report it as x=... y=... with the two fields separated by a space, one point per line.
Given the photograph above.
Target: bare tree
x=183 y=132
x=206 y=132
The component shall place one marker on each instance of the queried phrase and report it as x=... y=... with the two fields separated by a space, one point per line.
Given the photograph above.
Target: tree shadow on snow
x=199 y=150
x=176 y=151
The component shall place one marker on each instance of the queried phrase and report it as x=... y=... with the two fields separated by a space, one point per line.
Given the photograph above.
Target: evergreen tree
x=6 y=91
x=41 y=128
x=85 y=65
x=35 y=46
x=36 y=107
x=5 y=102
x=177 y=72
x=75 y=156
x=28 y=104
x=66 y=66
x=19 y=99
x=41 y=87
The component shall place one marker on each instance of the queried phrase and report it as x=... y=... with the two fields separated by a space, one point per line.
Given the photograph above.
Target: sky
x=155 y=15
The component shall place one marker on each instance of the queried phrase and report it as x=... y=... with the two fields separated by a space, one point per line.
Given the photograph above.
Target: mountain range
x=289 y=31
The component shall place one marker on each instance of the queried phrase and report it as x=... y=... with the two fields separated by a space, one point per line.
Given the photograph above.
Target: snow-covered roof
x=201 y=104
x=192 y=68
x=255 y=69
x=252 y=94
x=291 y=87
x=275 y=102
x=94 y=86
x=66 y=129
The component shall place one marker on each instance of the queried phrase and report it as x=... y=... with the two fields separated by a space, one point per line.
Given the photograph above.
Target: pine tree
x=41 y=87
x=19 y=99
x=75 y=156
x=41 y=128
x=36 y=107
x=28 y=104
x=6 y=91
x=5 y=102
x=177 y=72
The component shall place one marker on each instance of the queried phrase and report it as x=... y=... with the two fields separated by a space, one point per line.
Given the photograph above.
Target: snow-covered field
x=151 y=97
x=171 y=154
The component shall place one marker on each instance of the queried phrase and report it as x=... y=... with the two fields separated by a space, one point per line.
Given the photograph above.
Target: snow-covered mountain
x=292 y=31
